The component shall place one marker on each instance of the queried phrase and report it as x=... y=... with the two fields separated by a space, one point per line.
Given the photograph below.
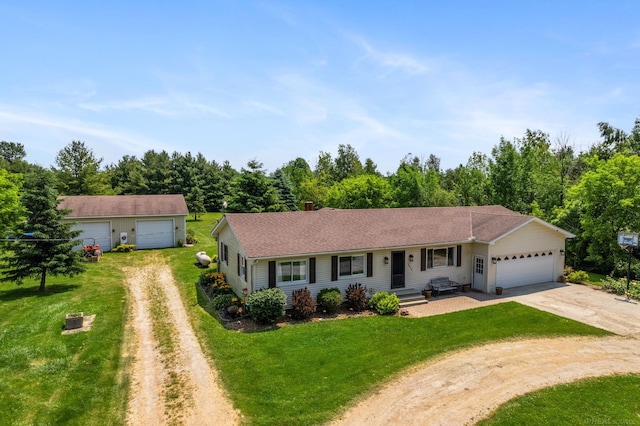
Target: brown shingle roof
x=329 y=230
x=88 y=206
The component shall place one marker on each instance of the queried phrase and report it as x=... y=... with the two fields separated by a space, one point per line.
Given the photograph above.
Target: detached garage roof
x=94 y=206
x=332 y=230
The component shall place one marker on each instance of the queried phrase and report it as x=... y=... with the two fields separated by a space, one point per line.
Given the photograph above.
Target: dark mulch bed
x=247 y=325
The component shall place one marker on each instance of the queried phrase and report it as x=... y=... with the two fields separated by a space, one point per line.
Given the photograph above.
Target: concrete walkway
x=583 y=303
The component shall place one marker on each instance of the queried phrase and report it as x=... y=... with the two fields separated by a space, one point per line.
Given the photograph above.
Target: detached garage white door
x=524 y=270
x=154 y=234
x=98 y=232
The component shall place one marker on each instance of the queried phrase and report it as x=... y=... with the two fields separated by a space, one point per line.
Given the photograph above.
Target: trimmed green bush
x=388 y=305
x=267 y=305
x=357 y=297
x=302 y=304
x=578 y=277
x=377 y=297
x=223 y=301
x=329 y=299
x=384 y=303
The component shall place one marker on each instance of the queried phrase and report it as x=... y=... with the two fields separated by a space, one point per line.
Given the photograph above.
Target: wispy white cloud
x=265 y=107
x=165 y=106
x=77 y=130
x=152 y=104
x=390 y=60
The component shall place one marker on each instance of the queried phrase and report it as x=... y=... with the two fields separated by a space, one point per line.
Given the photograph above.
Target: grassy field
x=50 y=378
x=603 y=401
x=308 y=373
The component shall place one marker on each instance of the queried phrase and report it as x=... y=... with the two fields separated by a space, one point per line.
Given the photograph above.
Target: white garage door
x=524 y=270
x=154 y=234
x=98 y=232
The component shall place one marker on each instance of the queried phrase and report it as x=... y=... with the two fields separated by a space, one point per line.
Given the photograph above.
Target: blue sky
x=276 y=80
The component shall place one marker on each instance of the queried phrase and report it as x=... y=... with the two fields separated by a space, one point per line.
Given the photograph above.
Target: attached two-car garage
x=524 y=269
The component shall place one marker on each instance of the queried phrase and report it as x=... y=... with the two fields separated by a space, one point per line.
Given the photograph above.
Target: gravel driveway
x=465 y=386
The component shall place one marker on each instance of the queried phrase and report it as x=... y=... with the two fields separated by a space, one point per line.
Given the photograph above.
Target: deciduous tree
x=78 y=171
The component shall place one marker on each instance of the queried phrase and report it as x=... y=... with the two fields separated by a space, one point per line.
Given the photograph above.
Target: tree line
x=592 y=193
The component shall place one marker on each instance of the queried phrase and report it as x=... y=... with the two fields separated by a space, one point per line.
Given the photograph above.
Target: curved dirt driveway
x=463 y=387
x=172 y=385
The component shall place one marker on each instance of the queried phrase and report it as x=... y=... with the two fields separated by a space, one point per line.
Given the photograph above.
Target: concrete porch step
x=409 y=295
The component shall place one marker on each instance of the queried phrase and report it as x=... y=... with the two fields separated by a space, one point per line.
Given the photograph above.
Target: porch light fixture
x=494 y=260
x=410 y=258
x=561 y=252
x=113 y=230
x=386 y=260
x=133 y=229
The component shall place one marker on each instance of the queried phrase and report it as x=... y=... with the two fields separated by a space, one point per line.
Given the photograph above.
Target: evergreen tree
x=253 y=191
x=282 y=184
x=46 y=242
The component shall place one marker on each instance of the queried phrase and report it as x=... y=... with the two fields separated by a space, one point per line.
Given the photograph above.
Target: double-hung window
x=292 y=272
x=351 y=266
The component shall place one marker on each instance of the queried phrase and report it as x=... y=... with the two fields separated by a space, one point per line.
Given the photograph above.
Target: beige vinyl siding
x=128 y=225
x=381 y=279
x=531 y=238
x=230 y=268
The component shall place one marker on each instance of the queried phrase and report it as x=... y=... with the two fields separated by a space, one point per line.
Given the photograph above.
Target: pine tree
x=45 y=246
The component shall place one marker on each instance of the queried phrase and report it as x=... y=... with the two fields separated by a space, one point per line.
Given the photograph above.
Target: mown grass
x=309 y=373
x=595 y=279
x=600 y=401
x=50 y=378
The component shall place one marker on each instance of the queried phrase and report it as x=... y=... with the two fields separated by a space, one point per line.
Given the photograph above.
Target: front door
x=397 y=269
x=478 y=273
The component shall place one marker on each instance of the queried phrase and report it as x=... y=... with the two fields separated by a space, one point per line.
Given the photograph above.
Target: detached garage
x=147 y=221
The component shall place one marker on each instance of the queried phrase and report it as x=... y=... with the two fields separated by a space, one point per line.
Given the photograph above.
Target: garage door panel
x=524 y=271
x=152 y=234
x=94 y=233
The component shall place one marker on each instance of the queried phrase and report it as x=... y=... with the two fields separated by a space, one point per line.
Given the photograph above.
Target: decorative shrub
x=330 y=299
x=123 y=248
x=578 y=277
x=567 y=270
x=223 y=301
x=619 y=286
x=373 y=301
x=214 y=283
x=357 y=297
x=191 y=239
x=387 y=304
x=267 y=305
x=302 y=304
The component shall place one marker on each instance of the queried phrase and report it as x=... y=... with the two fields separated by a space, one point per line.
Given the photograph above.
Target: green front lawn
x=309 y=373
x=596 y=401
x=50 y=378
